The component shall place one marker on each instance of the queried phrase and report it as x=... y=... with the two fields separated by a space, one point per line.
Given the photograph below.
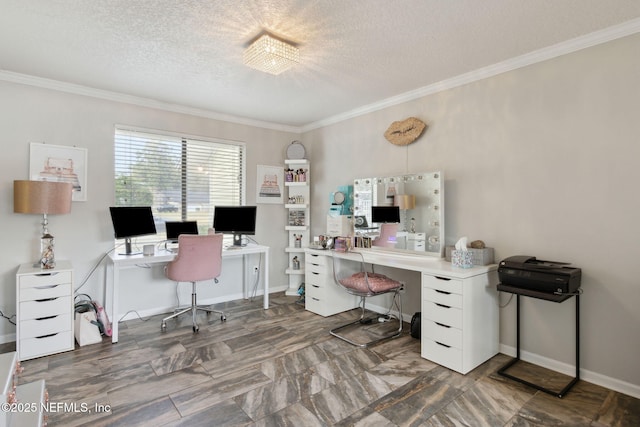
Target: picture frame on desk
x=60 y=163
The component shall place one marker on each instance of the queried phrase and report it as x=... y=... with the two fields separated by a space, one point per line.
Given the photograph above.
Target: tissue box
x=461 y=259
x=478 y=256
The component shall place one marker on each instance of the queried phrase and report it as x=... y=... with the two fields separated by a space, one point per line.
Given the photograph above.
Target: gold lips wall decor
x=405 y=132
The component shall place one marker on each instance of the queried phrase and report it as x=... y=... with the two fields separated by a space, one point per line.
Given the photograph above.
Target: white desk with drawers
x=459 y=306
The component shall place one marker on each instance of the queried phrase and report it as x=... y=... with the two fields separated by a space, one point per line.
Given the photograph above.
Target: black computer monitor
x=176 y=228
x=385 y=214
x=235 y=220
x=132 y=221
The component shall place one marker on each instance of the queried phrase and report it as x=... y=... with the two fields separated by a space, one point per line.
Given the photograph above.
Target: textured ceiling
x=354 y=53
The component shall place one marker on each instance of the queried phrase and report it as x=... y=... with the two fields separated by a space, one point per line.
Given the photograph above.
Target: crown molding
x=563 y=48
x=598 y=37
x=75 y=89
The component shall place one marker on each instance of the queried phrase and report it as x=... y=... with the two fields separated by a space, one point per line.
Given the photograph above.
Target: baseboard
x=615 y=384
x=7 y=338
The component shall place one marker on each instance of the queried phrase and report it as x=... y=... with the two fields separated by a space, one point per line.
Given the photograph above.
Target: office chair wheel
x=195 y=329
x=223 y=318
x=163 y=326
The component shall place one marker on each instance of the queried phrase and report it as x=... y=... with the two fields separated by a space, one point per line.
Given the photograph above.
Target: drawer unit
x=32 y=396
x=44 y=306
x=322 y=295
x=459 y=328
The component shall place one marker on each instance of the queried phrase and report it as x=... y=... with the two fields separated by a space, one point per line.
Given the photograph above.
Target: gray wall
x=538 y=161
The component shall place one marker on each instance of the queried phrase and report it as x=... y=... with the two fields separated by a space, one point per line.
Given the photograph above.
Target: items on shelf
x=295 y=175
x=296 y=200
x=297 y=240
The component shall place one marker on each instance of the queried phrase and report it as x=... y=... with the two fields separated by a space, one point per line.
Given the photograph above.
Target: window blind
x=181 y=178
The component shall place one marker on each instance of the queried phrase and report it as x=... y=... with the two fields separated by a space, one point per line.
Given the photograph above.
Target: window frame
x=121 y=131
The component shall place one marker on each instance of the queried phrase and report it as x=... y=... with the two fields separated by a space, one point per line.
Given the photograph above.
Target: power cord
x=9 y=318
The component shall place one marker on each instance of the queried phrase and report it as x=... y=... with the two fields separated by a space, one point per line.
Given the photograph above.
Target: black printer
x=527 y=272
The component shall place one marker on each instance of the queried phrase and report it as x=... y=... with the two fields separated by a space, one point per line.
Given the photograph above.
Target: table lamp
x=43 y=197
x=404 y=202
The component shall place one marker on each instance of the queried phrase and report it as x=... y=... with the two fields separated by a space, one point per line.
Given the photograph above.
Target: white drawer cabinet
x=322 y=295
x=459 y=320
x=32 y=396
x=44 y=306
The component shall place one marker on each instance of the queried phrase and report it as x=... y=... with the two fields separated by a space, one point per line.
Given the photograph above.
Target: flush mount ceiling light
x=271 y=55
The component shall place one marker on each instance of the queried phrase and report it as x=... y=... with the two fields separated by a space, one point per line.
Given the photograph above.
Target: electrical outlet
x=255 y=270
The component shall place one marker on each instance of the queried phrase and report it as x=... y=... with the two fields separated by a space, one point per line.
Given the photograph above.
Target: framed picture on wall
x=61 y=164
x=269 y=185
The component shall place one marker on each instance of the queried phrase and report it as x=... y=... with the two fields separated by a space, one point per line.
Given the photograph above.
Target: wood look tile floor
x=280 y=367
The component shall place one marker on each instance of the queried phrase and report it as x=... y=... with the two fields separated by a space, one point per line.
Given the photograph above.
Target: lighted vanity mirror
x=420 y=198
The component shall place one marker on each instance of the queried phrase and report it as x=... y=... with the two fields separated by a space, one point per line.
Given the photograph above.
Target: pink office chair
x=356 y=280
x=199 y=258
x=387 y=236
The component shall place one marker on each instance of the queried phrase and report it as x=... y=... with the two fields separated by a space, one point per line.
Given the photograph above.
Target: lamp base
x=47 y=257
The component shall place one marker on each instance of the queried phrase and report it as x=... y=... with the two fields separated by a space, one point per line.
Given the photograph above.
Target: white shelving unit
x=297 y=200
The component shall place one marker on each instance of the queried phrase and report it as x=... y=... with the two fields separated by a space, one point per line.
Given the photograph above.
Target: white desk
x=120 y=262
x=459 y=322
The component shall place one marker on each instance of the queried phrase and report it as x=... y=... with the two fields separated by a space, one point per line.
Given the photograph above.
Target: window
x=180 y=178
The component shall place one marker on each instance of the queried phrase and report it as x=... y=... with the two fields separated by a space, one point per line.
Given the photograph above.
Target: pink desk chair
x=199 y=258
x=363 y=282
x=387 y=236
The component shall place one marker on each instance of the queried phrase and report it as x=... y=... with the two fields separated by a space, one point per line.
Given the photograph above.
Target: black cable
x=9 y=318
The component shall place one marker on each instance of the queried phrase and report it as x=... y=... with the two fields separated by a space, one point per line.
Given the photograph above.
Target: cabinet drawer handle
x=46 y=299
x=442 y=278
x=444 y=345
x=46 y=287
x=443 y=325
x=46 y=274
x=47 y=336
x=315 y=299
x=443 y=292
x=313 y=272
x=47 y=318
x=315 y=286
x=442 y=305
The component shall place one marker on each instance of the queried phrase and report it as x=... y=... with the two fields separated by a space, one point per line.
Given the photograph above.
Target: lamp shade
x=404 y=201
x=42 y=197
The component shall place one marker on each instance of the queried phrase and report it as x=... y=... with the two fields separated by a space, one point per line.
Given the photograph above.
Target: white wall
x=539 y=161
x=29 y=114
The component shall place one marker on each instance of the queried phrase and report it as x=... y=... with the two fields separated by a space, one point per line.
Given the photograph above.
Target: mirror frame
x=428 y=215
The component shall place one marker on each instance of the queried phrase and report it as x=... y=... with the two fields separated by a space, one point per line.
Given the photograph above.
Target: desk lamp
x=404 y=202
x=43 y=197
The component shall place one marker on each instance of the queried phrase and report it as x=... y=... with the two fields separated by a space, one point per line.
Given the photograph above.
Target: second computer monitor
x=176 y=228
x=235 y=220
x=385 y=214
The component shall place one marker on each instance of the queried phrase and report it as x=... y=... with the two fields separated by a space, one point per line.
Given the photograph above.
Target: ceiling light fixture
x=271 y=55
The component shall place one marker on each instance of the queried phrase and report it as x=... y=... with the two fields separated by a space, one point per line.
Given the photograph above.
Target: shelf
x=294 y=272
x=296 y=162
x=296 y=206
x=296 y=184
x=294 y=250
x=296 y=227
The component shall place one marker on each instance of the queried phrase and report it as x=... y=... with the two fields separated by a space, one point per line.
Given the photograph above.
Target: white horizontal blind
x=180 y=178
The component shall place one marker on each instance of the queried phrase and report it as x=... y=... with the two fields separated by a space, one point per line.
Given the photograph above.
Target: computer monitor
x=385 y=214
x=176 y=228
x=235 y=220
x=132 y=221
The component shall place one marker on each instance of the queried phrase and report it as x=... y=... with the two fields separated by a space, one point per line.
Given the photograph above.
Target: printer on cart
x=527 y=272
